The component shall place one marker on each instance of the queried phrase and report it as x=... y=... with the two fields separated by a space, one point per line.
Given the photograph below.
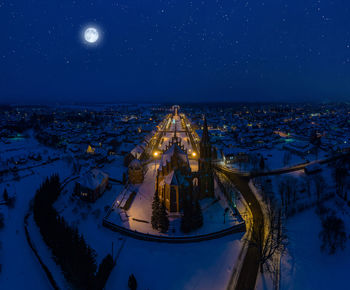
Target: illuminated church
x=175 y=180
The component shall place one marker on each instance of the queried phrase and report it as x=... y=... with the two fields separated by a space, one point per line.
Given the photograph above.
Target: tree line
x=70 y=250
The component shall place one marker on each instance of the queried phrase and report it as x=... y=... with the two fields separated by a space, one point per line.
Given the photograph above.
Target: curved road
x=283 y=170
x=250 y=267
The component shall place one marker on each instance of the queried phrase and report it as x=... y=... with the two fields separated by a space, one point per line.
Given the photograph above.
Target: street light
x=155 y=154
x=194 y=154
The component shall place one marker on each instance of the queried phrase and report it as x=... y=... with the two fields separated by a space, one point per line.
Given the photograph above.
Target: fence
x=239 y=228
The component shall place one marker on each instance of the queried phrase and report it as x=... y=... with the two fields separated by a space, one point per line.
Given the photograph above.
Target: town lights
x=194 y=154
x=155 y=154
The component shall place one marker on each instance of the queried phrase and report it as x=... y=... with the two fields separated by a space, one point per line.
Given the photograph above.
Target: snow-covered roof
x=171 y=179
x=92 y=179
x=137 y=150
x=173 y=149
x=135 y=164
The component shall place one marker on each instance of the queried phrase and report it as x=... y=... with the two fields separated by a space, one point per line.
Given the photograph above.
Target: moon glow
x=91 y=35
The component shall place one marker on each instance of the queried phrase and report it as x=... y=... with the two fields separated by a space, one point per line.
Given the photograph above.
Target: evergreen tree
x=5 y=195
x=132 y=283
x=69 y=249
x=155 y=211
x=2 y=222
x=104 y=270
x=163 y=219
x=197 y=218
x=186 y=217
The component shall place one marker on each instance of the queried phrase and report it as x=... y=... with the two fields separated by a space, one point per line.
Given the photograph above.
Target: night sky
x=175 y=51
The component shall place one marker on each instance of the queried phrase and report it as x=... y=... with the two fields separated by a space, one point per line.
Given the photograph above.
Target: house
x=92 y=185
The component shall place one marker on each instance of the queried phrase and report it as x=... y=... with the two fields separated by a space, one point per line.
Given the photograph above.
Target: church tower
x=206 y=177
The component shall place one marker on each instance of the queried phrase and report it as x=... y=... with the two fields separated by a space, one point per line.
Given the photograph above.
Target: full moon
x=91 y=34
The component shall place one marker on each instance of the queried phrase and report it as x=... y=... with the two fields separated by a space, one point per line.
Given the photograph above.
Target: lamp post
x=155 y=154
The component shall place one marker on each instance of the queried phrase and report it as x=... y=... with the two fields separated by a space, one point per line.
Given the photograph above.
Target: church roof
x=171 y=179
x=181 y=178
x=175 y=178
x=205 y=134
x=172 y=150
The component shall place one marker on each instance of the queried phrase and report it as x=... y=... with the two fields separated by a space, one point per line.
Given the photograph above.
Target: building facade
x=174 y=177
x=176 y=182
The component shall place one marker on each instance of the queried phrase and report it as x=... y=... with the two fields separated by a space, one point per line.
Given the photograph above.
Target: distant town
x=206 y=196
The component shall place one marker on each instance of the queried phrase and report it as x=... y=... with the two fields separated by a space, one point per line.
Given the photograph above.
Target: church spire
x=205 y=134
x=206 y=179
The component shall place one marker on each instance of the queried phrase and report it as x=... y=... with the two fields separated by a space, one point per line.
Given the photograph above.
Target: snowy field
x=305 y=266
x=204 y=265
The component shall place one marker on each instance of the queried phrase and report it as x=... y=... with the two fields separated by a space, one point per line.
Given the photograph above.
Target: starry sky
x=175 y=51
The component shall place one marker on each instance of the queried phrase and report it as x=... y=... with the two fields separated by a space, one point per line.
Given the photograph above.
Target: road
x=281 y=170
x=250 y=267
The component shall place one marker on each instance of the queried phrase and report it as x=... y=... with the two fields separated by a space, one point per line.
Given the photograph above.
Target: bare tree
x=308 y=185
x=269 y=238
x=340 y=174
x=281 y=190
x=286 y=158
x=287 y=190
x=319 y=185
x=333 y=234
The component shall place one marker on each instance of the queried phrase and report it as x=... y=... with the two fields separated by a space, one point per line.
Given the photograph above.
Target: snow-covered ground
x=22 y=148
x=304 y=266
x=139 y=215
x=115 y=169
x=276 y=158
x=20 y=268
x=87 y=217
x=189 y=266
x=185 y=140
x=204 y=265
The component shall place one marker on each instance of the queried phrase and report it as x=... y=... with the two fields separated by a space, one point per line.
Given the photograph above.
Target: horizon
x=165 y=103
